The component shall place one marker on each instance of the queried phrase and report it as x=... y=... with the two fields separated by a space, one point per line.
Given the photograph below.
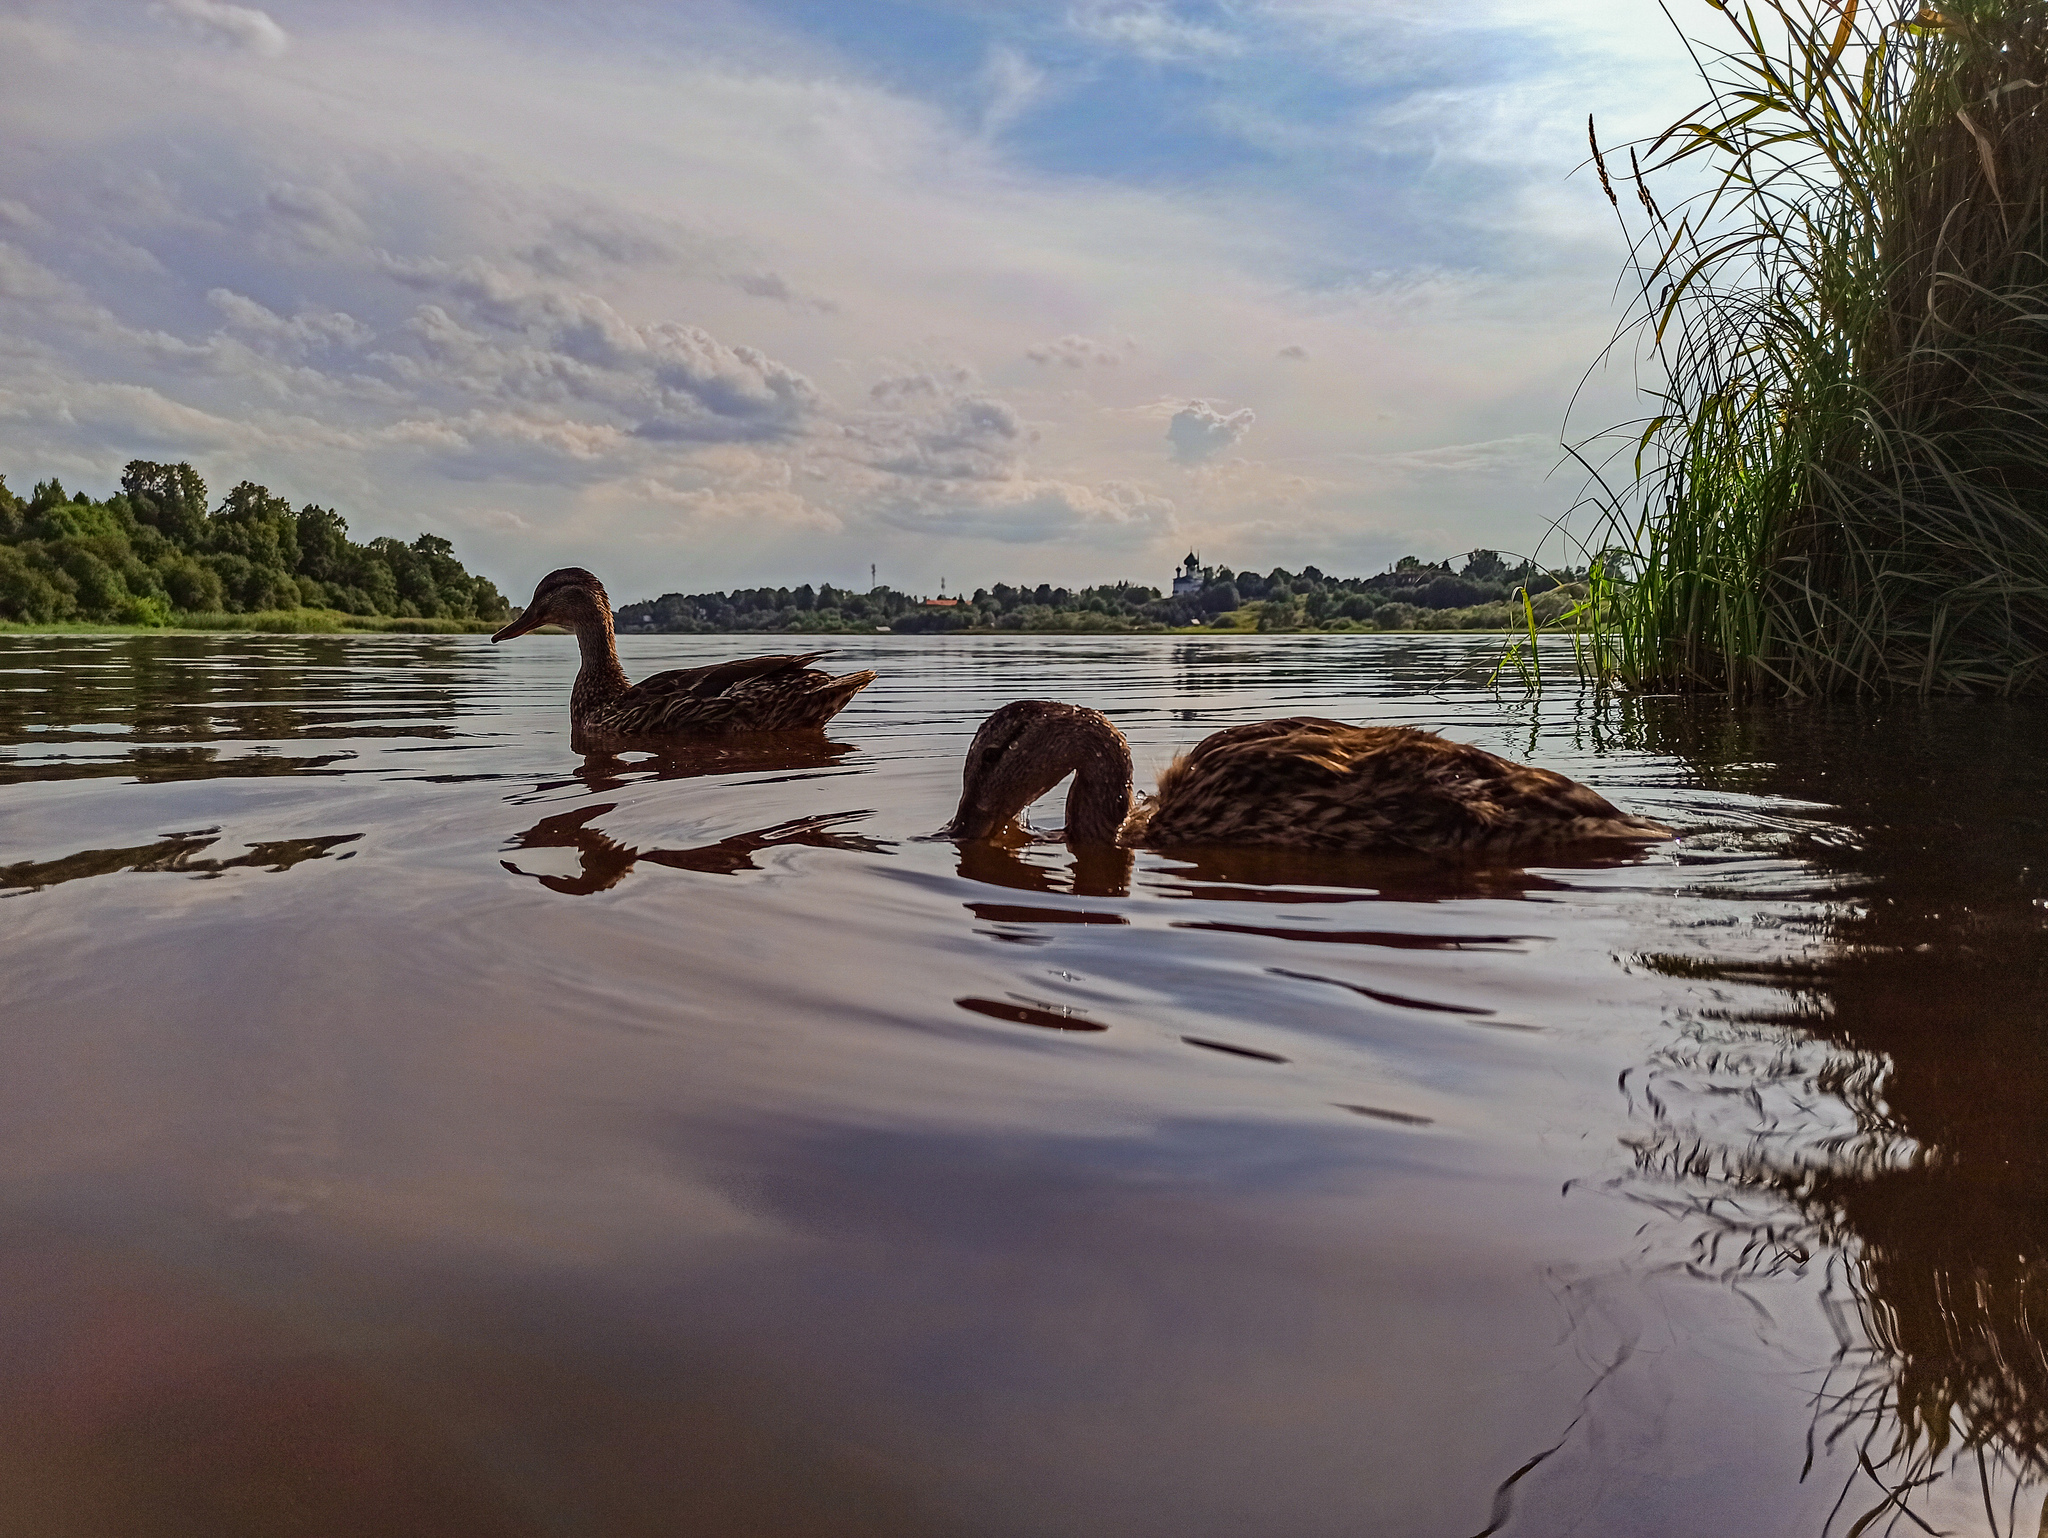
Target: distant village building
x=1190 y=578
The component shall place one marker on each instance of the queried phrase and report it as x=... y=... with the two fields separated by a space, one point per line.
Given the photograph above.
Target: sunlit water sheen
x=408 y=1127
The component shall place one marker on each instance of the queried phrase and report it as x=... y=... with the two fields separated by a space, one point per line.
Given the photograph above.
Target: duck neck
x=1099 y=803
x=600 y=680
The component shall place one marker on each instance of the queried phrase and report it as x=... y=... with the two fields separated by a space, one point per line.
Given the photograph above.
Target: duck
x=609 y=715
x=1300 y=782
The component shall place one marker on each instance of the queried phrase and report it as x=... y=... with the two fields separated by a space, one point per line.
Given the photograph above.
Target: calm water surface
x=410 y=1127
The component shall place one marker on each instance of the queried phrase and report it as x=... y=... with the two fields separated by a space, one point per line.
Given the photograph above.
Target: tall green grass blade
x=1843 y=482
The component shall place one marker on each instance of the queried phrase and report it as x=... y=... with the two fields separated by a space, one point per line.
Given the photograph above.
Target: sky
x=727 y=292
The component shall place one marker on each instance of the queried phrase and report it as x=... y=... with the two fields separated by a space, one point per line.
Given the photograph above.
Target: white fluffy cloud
x=1199 y=430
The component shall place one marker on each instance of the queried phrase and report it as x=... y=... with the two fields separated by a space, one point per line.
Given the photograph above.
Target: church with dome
x=1189 y=579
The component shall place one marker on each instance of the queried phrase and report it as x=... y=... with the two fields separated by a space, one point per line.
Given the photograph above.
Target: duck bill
x=970 y=825
x=529 y=620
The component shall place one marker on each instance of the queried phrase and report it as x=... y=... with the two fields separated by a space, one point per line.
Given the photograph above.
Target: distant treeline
x=153 y=550
x=1413 y=594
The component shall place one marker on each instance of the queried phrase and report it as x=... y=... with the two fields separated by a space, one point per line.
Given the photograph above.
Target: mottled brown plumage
x=608 y=715
x=1300 y=782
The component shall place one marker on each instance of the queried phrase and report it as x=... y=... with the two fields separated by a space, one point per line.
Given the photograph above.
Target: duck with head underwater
x=1300 y=782
x=609 y=715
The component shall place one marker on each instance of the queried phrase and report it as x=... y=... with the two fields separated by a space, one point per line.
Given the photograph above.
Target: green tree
x=1485 y=566
x=193 y=587
x=323 y=544
x=27 y=595
x=168 y=498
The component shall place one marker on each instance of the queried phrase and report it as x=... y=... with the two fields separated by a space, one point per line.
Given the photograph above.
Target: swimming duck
x=1300 y=782
x=607 y=714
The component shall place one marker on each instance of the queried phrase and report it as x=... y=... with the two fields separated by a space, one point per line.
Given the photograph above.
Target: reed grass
x=1843 y=485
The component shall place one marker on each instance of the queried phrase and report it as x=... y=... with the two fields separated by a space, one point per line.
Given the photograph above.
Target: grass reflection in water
x=1919 y=1010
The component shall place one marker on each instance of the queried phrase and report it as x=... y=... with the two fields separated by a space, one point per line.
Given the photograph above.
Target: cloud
x=1152 y=31
x=1115 y=513
x=681 y=383
x=1294 y=351
x=765 y=285
x=1199 y=430
x=1074 y=352
x=19 y=216
x=897 y=390
x=1494 y=456
x=239 y=26
x=1010 y=85
x=938 y=424
x=26 y=280
x=494 y=518
x=617 y=240
x=706 y=384
x=494 y=444
x=773 y=285
x=313 y=218
x=306 y=330
x=142 y=415
x=742 y=488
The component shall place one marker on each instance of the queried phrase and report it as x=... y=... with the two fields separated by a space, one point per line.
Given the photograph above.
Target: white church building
x=1190 y=578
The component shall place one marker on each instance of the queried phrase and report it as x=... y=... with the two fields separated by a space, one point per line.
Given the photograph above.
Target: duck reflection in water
x=606 y=861
x=1922 y=1014
x=1310 y=876
x=1252 y=874
x=1090 y=871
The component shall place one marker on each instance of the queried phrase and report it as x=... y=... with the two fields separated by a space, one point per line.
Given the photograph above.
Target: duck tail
x=833 y=695
x=1169 y=777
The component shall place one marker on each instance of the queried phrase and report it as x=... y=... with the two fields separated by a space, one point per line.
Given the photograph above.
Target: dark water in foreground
x=407 y=1127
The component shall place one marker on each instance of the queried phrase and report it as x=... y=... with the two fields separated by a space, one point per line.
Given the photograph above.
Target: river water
x=410 y=1127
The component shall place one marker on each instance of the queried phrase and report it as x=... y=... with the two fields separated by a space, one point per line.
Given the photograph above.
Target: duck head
x=571 y=598
x=1025 y=749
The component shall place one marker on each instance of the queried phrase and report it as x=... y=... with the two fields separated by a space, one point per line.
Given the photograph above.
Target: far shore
x=329 y=622
x=262 y=622
x=281 y=625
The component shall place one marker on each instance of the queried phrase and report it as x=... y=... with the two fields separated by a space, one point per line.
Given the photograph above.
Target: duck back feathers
x=751 y=694
x=1310 y=783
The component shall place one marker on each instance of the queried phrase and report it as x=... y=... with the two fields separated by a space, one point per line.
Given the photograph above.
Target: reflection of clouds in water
x=291 y=1085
